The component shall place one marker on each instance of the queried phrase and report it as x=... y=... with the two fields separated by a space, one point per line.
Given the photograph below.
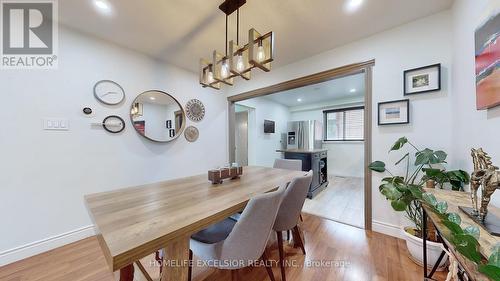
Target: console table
x=486 y=241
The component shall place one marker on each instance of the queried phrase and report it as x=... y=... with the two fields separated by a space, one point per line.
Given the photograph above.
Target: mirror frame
x=181 y=130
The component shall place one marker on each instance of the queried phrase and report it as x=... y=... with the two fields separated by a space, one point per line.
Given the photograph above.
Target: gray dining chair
x=288 y=164
x=232 y=244
x=289 y=213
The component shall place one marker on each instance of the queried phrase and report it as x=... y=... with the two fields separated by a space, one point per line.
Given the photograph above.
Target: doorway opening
x=323 y=118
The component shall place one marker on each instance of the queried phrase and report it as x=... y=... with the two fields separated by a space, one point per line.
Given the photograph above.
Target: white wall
x=345 y=159
x=262 y=147
x=471 y=128
x=45 y=174
x=418 y=43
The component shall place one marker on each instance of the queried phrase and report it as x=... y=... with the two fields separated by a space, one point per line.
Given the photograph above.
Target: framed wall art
x=487 y=42
x=394 y=112
x=422 y=80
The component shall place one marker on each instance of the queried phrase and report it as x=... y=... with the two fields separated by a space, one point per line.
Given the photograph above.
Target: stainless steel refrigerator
x=305 y=135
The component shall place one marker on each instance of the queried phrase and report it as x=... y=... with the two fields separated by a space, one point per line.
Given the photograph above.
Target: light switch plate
x=56 y=124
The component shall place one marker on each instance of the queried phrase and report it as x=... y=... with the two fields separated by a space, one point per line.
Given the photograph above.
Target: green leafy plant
x=406 y=194
x=403 y=191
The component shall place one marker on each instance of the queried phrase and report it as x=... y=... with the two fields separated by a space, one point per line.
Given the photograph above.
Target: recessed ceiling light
x=353 y=91
x=299 y=100
x=352 y=5
x=152 y=98
x=103 y=6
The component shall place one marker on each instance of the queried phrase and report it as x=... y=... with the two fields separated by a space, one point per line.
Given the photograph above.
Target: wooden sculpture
x=486 y=176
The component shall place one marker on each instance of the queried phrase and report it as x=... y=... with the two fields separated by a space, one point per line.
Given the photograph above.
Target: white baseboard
x=387 y=228
x=44 y=245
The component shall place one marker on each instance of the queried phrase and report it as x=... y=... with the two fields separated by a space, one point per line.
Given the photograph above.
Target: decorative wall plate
x=191 y=134
x=109 y=92
x=195 y=110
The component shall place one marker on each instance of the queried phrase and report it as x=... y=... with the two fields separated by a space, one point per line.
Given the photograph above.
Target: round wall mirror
x=157 y=116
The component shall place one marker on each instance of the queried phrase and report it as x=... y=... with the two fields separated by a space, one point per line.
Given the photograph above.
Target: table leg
x=176 y=260
x=127 y=273
x=424 y=238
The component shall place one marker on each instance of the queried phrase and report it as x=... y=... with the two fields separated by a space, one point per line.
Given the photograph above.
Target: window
x=346 y=124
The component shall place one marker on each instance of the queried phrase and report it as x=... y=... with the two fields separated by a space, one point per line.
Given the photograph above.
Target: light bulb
x=261 y=55
x=224 y=70
x=240 y=66
x=210 y=77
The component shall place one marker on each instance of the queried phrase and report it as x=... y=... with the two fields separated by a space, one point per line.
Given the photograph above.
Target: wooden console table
x=486 y=241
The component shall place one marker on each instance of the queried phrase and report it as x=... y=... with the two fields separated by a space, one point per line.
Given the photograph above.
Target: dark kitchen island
x=315 y=160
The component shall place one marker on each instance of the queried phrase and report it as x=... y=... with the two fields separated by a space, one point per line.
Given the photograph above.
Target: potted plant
x=404 y=193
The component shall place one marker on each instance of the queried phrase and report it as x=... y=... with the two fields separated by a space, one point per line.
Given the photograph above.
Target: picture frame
x=422 y=80
x=487 y=57
x=169 y=124
x=394 y=112
x=171 y=133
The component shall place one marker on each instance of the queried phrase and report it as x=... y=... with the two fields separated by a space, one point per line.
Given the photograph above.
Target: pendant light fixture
x=237 y=61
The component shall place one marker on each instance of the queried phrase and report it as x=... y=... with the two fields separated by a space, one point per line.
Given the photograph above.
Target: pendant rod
x=238 y=27
x=226 y=35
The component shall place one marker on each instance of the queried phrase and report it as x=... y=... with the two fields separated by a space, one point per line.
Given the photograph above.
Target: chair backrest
x=249 y=237
x=288 y=164
x=293 y=201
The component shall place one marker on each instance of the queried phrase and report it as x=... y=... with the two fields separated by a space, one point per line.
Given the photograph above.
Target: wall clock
x=113 y=124
x=109 y=92
x=191 y=134
x=195 y=110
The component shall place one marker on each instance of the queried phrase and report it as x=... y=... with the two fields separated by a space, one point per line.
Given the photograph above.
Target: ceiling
x=332 y=90
x=182 y=31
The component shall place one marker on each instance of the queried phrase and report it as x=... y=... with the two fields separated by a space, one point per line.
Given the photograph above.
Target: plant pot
x=416 y=249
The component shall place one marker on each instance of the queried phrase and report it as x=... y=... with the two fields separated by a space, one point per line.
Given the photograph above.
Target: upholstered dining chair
x=289 y=213
x=288 y=164
x=232 y=245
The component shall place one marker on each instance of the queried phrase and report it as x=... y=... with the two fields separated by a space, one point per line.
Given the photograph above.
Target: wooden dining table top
x=134 y=222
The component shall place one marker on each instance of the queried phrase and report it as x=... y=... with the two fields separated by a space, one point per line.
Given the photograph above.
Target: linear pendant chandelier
x=237 y=60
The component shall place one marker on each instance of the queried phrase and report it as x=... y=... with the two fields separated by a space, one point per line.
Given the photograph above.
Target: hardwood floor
x=356 y=255
x=341 y=201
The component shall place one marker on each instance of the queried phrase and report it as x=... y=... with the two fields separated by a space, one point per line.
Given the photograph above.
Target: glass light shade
x=260 y=49
x=221 y=69
x=238 y=61
x=207 y=78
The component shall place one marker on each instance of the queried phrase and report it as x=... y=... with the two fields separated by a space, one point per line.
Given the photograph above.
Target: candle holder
x=219 y=175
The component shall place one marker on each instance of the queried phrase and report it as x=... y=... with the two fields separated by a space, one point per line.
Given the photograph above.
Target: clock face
x=109 y=92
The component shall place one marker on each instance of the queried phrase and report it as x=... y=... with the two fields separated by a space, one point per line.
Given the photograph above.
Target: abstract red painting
x=487 y=39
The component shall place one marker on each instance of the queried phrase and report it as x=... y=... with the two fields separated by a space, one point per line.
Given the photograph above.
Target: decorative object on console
x=191 y=133
x=487 y=42
x=113 y=124
x=109 y=92
x=195 y=110
x=487 y=177
x=422 y=80
x=156 y=107
x=217 y=176
x=394 y=112
x=239 y=61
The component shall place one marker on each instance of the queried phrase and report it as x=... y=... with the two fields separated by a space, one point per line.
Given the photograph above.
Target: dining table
x=134 y=222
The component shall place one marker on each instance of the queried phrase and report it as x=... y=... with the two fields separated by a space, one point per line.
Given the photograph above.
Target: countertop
x=302 y=150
